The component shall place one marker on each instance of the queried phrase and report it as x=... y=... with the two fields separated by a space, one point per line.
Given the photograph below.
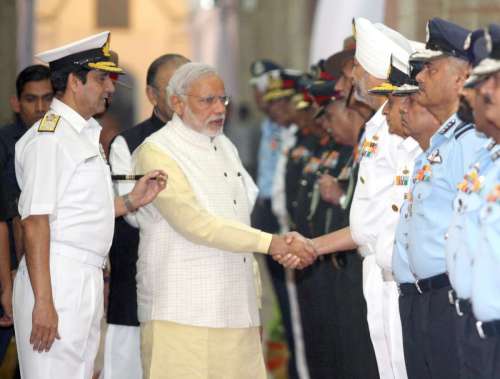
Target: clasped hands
x=292 y=250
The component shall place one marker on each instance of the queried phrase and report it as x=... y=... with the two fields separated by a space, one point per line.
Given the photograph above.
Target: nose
x=420 y=76
x=109 y=85
x=403 y=109
x=339 y=86
x=39 y=105
x=220 y=108
x=387 y=108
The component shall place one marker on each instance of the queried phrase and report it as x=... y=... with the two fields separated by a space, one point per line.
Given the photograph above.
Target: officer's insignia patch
x=49 y=123
x=448 y=126
x=472 y=181
x=423 y=175
x=435 y=157
x=494 y=195
x=369 y=147
x=403 y=179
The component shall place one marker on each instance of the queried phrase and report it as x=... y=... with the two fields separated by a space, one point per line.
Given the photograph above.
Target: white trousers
x=384 y=322
x=122 y=353
x=77 y=290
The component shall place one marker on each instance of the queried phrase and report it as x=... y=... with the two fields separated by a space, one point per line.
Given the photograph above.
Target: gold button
x=394 y=207
x=361 y=179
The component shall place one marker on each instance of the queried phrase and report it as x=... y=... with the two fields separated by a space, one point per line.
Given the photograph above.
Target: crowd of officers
x=435 y=221
x=437 y=227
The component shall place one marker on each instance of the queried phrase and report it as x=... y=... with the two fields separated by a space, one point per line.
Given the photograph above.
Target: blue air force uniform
x=469 y=262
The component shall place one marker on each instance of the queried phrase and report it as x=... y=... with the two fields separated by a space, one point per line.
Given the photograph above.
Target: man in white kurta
x=197 y=295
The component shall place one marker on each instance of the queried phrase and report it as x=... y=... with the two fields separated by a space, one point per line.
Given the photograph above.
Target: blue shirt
x=436 y=174
x=269 y=152
x=463 y=234
x=486 y=268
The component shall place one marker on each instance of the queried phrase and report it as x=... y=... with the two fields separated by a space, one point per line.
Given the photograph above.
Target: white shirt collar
x=72 y=116
x=377 y=119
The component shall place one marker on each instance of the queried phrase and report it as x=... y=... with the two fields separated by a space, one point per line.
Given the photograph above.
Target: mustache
x=221 y=119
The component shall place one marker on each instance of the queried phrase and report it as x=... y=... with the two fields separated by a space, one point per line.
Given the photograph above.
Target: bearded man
x=196 y=276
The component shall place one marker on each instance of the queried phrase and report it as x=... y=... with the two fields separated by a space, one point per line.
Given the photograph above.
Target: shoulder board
x=462 y=129
x=49 y=123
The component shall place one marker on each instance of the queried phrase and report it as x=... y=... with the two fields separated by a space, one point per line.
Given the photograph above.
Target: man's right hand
x=298 y=253
x=44 y=326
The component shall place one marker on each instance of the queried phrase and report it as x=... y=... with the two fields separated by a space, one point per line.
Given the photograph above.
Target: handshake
x=292 y=250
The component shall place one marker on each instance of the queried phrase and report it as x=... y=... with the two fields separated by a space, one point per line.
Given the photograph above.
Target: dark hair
x=59 y=78
x=161 y=61
x=32 y=73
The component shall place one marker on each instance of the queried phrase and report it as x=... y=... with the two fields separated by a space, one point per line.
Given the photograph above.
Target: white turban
x=375 y=43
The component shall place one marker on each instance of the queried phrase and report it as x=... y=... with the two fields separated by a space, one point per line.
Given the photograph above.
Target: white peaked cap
x=375 y=43
x=93 y=42
x=402 y=62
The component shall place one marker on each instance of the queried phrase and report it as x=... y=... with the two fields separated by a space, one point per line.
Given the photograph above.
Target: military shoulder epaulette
x=462 y=129
x=49 y=123
x=448 y=126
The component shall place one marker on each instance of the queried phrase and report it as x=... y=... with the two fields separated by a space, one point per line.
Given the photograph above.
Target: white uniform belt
x=387 y=275
x=83 y=256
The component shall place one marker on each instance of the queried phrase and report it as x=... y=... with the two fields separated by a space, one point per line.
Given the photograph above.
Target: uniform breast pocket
x=90 y=182
x=366 y=185
x=490 y=223
x=465 y=203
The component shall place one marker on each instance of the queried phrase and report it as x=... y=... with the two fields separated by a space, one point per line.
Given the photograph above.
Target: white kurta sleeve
x=121 y=164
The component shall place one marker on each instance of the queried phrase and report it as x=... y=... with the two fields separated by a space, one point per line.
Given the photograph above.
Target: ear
x=178 y=105
x=73 y=82
x=14 y=104
x=152 y=95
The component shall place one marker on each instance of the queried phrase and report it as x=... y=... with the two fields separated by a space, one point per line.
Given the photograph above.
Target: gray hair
x=186 y=75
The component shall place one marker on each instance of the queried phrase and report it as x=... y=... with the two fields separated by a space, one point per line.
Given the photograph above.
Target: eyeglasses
x=210 y=101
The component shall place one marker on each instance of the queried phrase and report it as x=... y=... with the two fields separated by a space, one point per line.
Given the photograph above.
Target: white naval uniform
x=122 y=347
x=372 y=224
x=63 y=175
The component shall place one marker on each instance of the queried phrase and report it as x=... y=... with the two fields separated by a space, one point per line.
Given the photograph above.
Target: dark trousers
x=318 y=307
x=333 y=315
x=479 y=358
x=356 y=355
x=429 y=335
x=6 y=335
x=264 y=219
